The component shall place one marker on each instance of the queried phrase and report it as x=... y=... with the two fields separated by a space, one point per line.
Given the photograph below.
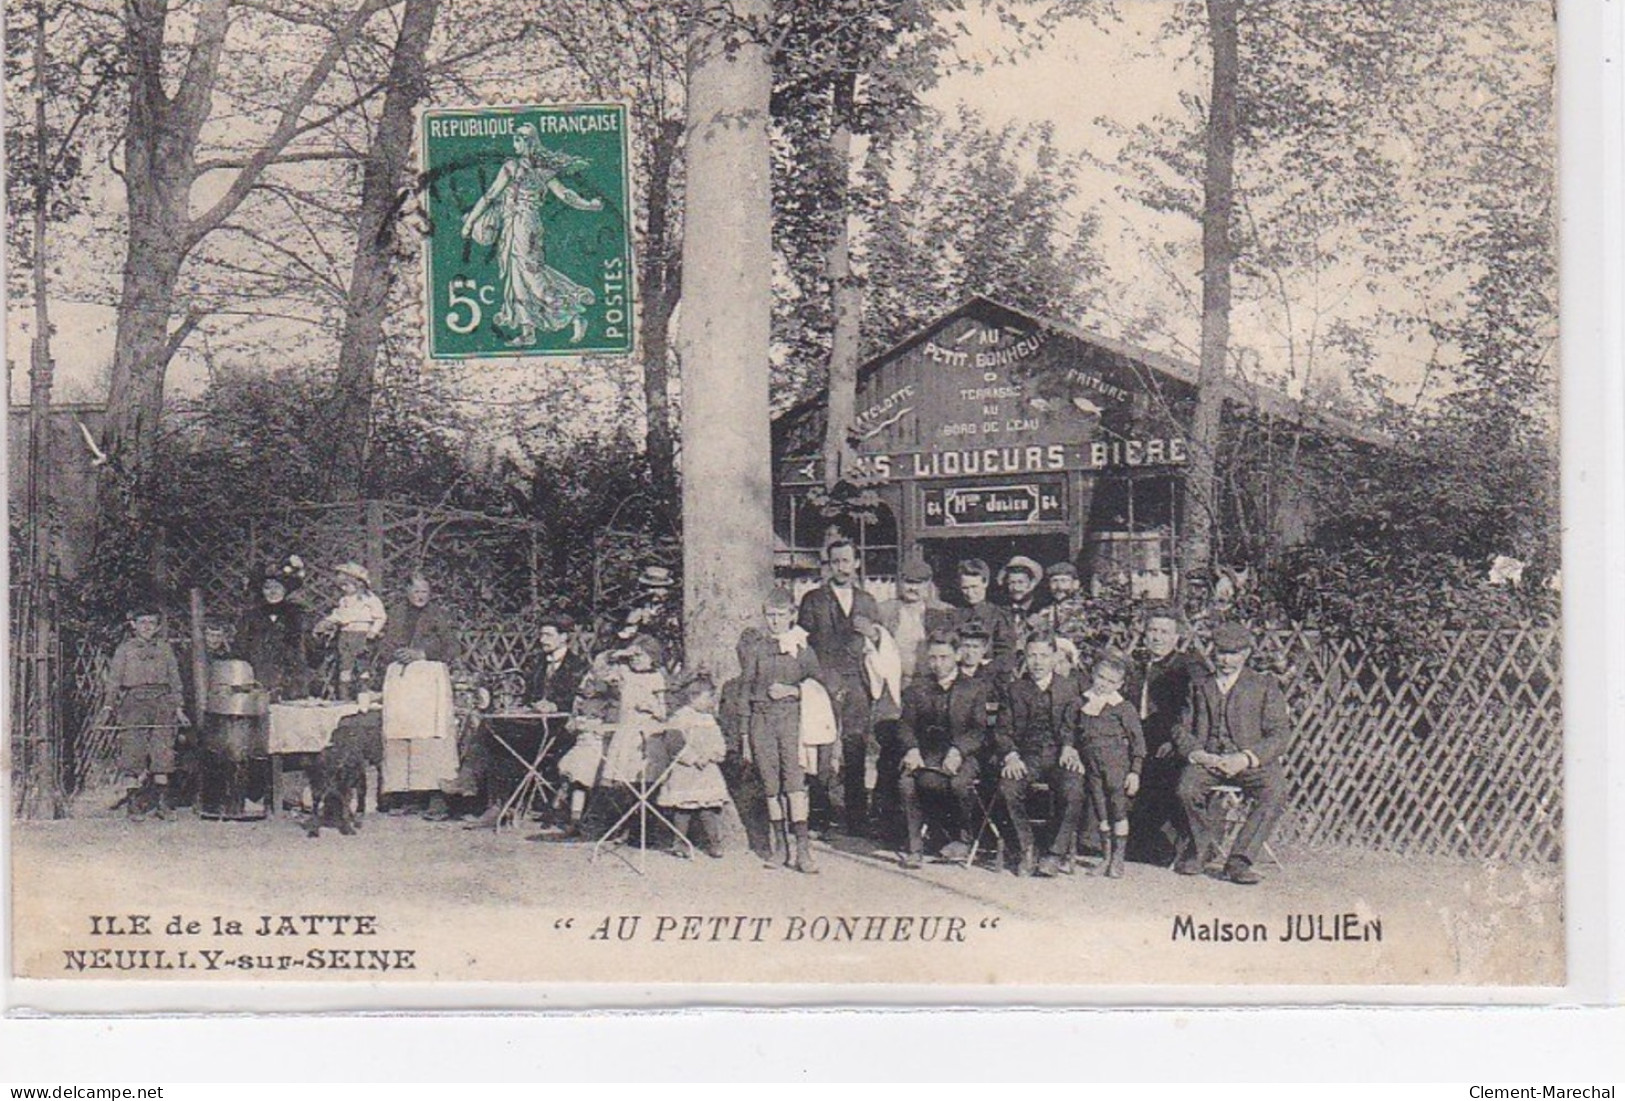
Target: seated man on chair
x=941 y=732
x=552 y=682
x=1037 y=741
x=1237 y=730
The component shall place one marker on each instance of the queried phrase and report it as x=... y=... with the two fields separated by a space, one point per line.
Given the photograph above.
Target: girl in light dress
x=695 y=784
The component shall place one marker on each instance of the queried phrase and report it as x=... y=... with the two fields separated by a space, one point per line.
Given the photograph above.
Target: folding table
x=533 y=785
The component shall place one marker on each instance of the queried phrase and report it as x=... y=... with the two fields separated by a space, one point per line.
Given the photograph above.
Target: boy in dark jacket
x=1113 y=754
x=1037 y=741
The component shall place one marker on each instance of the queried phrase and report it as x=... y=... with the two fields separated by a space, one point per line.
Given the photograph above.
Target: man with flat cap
x=914 y=615
x=1065 y=617
x=1238 y=730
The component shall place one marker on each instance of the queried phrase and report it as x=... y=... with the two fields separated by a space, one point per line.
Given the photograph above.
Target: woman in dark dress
x=271 y=635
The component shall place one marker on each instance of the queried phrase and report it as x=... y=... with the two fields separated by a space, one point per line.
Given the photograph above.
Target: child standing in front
x=1113 y=751
x=357 y=620
x=695 y=783
x=144 y=704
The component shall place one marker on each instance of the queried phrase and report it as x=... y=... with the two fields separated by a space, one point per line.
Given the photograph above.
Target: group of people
x=921 y=723
x=953 y=714
x=355 y=644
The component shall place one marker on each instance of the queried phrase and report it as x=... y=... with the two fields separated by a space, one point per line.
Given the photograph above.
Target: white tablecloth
x=306 y=726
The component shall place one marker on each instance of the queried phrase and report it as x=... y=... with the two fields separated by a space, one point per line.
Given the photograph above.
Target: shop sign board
x=972 y=506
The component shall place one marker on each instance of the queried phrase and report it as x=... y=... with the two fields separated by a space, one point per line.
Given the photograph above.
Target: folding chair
x=644 y=787
x=1232 y=803
x=987 y=801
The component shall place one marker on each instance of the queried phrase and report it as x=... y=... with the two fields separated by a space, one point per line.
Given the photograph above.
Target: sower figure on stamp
x=1239 y=728
x=1037 y=741
x=1160 y=690
x=776 y=666
x=942 y=731
x=535 y=295
x=827 y=616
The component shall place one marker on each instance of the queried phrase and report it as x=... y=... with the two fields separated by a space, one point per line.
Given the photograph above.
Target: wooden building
x=992 y=432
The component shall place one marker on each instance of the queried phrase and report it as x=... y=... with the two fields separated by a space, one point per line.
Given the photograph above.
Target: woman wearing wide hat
x=271 y=635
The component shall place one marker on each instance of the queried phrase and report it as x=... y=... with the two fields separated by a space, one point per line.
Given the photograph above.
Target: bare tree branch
x=288 y=127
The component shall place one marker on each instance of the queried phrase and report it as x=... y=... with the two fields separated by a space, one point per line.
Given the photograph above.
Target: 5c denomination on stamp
x=529 y=250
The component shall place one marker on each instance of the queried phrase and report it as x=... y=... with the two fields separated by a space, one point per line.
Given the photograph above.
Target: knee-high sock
x=798 y=806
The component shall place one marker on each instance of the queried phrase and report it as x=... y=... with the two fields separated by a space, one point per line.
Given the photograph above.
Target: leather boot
x=778 y=854
x=804 y=858
x=1115 y=853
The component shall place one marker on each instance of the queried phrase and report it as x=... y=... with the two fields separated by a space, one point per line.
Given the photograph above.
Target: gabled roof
x=1264 y=399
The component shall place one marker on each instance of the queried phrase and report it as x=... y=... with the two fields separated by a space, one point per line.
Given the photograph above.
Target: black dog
x=362 y=734
x=338 y=789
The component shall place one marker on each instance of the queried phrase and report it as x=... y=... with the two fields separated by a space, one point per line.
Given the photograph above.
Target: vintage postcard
x=969 y=497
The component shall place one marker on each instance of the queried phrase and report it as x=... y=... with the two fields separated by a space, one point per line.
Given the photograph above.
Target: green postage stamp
x=529 y=250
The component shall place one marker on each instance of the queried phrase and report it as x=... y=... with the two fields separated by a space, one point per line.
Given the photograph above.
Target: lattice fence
x=478 y=563
x=1458 y=755
x=1461 y=755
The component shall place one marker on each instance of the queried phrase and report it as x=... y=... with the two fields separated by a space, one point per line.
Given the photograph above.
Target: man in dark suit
x=1239 y=729
x=1160 y=689
x=973 y=575
x=555 y=677
x=942 y=732
x=1036 y=740
x=827 y=614
x=551 y=685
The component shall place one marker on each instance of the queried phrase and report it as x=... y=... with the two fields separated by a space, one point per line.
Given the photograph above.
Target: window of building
x=1130 y=540
x=802 y=532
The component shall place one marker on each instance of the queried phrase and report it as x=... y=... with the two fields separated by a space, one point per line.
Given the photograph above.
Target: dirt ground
x=440 y=902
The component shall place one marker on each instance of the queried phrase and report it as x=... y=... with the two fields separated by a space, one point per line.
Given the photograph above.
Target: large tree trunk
x=159 y=170
x=846 y=296
x=383 y=181
x=659 y=283
x=727 y=305
x=1201 y=476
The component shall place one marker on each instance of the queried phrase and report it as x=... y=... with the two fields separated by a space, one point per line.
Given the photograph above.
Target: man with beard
x=1238 y=731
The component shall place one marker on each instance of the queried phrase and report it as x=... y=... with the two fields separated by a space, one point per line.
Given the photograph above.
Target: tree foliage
x=957 y=208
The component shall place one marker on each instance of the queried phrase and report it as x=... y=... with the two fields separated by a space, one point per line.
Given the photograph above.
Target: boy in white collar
x=1113 y=751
